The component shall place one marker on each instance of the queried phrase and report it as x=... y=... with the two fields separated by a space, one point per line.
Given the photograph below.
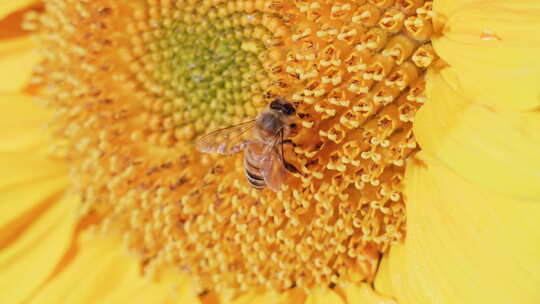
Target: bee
x=262 y=140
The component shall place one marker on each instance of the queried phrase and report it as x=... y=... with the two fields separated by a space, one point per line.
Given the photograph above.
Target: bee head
x=283 y=106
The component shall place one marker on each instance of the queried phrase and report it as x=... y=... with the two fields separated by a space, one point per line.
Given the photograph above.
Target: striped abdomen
x=252 y=169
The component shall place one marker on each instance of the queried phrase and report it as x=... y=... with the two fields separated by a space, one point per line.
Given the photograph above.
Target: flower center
x=201 y=63
x=135 y=81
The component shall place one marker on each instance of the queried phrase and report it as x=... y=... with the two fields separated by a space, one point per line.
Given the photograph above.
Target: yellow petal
x=21 y=167
x=31 y=258
x=24 y=203
x=17 y=60
x=256 y=296
x=22 y=122
x=294 y=295
x=29 y=182
x=102 y=272
x=9 y=6
x=364 y=294
x=11 y=26
x=496 y=149
x=465 y=244
x=35 y=223
x=135 y=289
x=447 y=7
x=493 y=47
x=324 y=296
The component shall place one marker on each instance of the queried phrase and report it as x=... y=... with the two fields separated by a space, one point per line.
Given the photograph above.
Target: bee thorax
x=270 y=124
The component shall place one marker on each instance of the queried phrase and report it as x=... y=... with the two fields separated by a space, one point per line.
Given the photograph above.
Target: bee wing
x=228 y=140
x=272 y=168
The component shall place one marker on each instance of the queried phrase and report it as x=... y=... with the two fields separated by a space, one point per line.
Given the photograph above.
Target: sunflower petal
x=25 y=166
x=465 y=244
x=20 y=207
x=22 y=122
x=101 y=272
x=9 y=6
x=21 y=171
x=324 y=296
x=294 y=295
x=135 y=289
x=256 y=296
x=493 y=46
x=363 y=293
x=447 y=7
x=496 y=149
x=27 y=262
x=33 y=224
x=11 y=25
x=17 y=60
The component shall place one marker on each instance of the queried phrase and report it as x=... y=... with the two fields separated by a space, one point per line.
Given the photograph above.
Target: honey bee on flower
x=262 y=140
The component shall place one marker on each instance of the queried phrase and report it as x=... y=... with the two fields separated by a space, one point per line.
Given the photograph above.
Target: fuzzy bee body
x=262 y=142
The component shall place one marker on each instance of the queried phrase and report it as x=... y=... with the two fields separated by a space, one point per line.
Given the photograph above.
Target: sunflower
x=416 y=140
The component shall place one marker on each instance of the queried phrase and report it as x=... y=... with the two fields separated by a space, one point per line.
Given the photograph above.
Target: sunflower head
x=135 y=82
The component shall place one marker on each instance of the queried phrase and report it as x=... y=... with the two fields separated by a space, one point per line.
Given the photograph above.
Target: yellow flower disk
x=134 y=82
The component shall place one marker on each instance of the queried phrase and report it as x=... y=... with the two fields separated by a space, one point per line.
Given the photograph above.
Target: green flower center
x=203 y=73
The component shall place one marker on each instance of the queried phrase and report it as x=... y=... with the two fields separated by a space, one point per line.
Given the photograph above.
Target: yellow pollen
x=134 y=82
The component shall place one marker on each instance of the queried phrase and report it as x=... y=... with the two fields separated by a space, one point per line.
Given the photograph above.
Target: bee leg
x=288 y=141
x=286 y=164
x=291 y=168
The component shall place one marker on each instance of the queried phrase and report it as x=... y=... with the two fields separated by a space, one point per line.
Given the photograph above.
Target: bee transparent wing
x=228 y=140
x=272 y=168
